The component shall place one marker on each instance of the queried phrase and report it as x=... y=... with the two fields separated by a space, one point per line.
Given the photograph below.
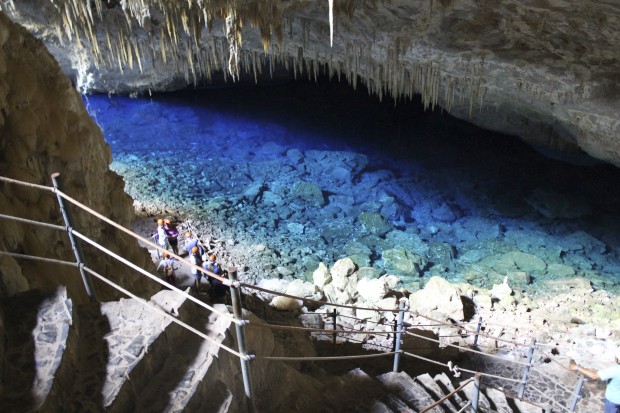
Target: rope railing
x=311 y=300
x=35 y=258
x=138 y=237
x=321 y=330
x=446 y=365
x=469 y=331
x=447 y=396
x=467 y=349
x=325 y=358
x=164 y=313
x=551 y=400
x=237 y=287
x=154 y=278
x=30 y=221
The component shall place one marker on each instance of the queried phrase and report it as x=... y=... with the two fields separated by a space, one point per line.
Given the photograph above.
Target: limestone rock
x=321 y=276
x=439 y=295
x=374 y=223
x=300 y=288
x=340 y=272
x=372 y=290
x=286 y=303
x=402 y=262
x=39 y=138
x=308 y=192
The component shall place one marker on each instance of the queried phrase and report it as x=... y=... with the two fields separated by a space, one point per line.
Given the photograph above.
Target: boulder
x=372 y=290
x=300 y=288
x=321 y=276
x=340 y=272
x=438 y=295
x=309 y=193
x=286 y=303
x=374 y=223
x=402 y=261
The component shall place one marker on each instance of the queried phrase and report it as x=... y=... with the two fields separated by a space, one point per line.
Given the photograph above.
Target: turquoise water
x=294 y=174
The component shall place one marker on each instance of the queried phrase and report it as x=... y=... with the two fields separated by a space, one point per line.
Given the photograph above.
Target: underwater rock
x=556 y=270
x=402 y=262
x=553 y=204
x=374 y=223
x=444 y=213
x=308 y=192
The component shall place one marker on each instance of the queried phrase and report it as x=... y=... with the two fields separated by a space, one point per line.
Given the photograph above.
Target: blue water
x=438 y=181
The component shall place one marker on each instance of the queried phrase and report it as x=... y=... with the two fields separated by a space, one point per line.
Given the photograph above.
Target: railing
x=396 y=331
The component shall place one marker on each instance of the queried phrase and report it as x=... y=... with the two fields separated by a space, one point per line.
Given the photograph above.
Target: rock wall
x=544 y=71
x=44 y=128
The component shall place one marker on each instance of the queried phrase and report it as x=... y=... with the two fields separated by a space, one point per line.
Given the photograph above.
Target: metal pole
x=478 y=331
x=577 y=394
x=398 y=336
x=334 y=317
x=88 y=286
x=526 y=370
x=235 y=296
x=476 y=395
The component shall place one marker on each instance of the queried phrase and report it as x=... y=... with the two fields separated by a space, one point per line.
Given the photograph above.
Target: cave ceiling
x=547 y=71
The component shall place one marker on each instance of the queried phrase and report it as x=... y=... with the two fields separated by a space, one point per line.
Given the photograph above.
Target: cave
x=357 y=152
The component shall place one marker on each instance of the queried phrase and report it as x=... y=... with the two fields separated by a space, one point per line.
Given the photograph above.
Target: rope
x=29 y=221
x=447 y=396
x=469 y=331
x=465 y=406
x=28 y=184
x=461 y=369
x=226 y=281
x=553 y=379
x=255 y=287
x=332 y=358
x=322 y=330
x=35 y=258
x=159 y=310
x=551 y=358
x=550 y=399
x=157 y=279
x=466 y=349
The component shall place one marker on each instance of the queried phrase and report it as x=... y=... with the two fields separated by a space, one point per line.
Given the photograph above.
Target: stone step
x=437 y=392
x=190 y=378
x=139 y=342
x=36 y=324
x=405 y=388
x=444 y=382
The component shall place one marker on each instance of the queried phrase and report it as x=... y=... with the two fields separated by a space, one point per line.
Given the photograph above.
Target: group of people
x=167 y=235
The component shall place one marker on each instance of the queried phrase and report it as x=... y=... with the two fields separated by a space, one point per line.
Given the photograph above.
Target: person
x=611 y=373
x=173 y=235
x=167 y=263
x=194 y=258
x=161 y=237
x=191 y=242
x=210 y=264
x=218 y=289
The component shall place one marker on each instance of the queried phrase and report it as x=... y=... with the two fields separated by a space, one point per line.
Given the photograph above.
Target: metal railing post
x=334 y=316
x=399 y=334
x=88 y=286
x=235 y=296
x=476 y=395
x=477 y=331
x=526 y=370
x=577 y=394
